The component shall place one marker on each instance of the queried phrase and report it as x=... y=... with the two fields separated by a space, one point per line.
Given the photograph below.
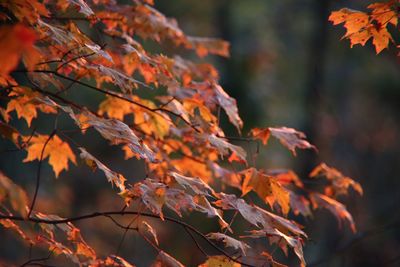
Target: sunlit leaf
x=219 y=261
x=58 y=152
x=13 y=194
x=114 y=178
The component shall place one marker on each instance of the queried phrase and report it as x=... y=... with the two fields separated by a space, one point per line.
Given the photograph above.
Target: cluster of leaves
x=175 y=132
x=363 y=26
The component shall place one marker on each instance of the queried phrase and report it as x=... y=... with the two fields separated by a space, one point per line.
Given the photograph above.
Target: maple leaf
x=119 y=133
x=228 y=177
x=113 y=177
x=190 y=105
x=83 y=7
x=219 y=260
x=230 y=242
x=282 y=240
x=58 y=248
x=381 y=38
x=85 y=250
x=177 y=107
x=24 y=102
x=115 y=108
x=291 y=138
x=151 y=193
x=7 y=223
x=112 y=260
x=204 y=46
x=197 y=185
x=266 y=187
x=384 y=13
x=15 y=195
x=224 y=147
x=335 y=207
x=229 y=105
x=360 y=26
x=203 y=205
x=188 y=166
x=258 y=216
x=286 y=177
x=58 y=152
x=148 y=229
x=262 y=134
x=300 y=205
x=14 y=41
x=340 y=184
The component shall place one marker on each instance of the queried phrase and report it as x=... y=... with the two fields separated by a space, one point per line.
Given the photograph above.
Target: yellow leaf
x=58 y=151
x=381 y=38
x=115 y=108
x=219 y=261
x=25 y=104
x=85 y=250
x=267 y=187
x=383 y=13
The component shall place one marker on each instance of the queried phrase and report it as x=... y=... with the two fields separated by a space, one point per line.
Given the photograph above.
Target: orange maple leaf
x=14 y=41
x=58 y=151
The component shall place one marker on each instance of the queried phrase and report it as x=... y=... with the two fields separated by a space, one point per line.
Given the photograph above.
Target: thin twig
x=195 y=241
x=29 y=262
x=38 y=173
x=116 y=95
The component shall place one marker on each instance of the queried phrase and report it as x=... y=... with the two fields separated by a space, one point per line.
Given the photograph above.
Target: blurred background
x=288 y=67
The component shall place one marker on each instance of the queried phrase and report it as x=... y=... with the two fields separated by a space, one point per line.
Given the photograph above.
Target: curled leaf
x=230 y=242
x=114 y=178
x=149 y=230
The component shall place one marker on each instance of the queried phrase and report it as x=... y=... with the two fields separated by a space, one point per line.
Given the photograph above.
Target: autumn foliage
x=47 y=50
x=374 y=24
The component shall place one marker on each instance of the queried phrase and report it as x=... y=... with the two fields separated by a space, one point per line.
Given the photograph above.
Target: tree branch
x=110 y=213
x=116 y=95
x=38 y=173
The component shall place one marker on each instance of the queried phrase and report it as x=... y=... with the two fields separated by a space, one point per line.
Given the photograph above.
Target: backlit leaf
x=291 y=138
x=219 y=261
x=335 y=207
x=148 y=229
x=114 y=178
x=230 y=242
x=13 y=194
x=58 y=152
x=267 y=187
